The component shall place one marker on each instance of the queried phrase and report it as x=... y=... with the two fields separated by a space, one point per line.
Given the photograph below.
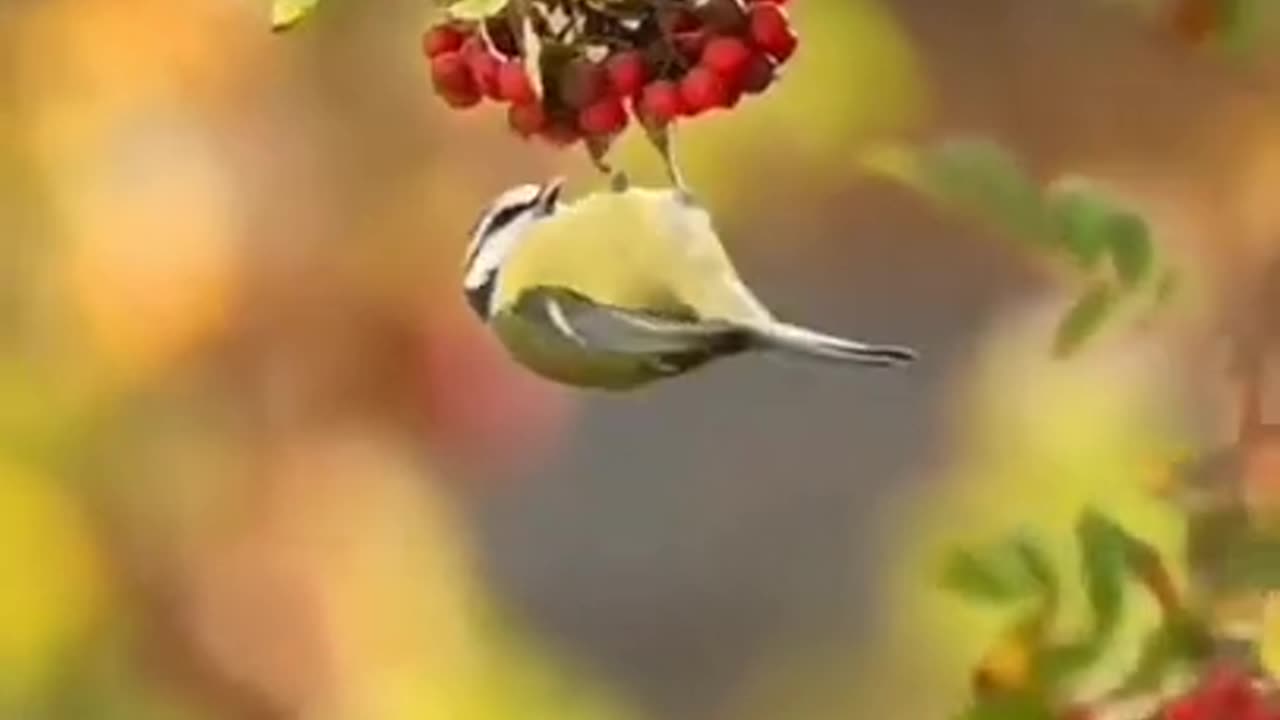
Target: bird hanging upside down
x=624 y=287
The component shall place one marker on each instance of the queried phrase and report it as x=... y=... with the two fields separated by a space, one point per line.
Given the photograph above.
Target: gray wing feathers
x=802 y=341
x=682 y=343
x=629 y=332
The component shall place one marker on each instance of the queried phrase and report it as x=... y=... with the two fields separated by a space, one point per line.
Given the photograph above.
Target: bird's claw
x=618 y=180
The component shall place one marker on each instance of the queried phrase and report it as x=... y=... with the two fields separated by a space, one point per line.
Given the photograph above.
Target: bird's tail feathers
x=801 y=341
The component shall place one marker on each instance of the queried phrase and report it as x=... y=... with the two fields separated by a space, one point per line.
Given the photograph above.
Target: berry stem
x=663 y=139
x=673 y=56
x=515 y=14
x=597 y=148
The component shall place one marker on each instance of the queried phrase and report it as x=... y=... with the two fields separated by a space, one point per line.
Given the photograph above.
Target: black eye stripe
x=503 y=217
x=493 y=222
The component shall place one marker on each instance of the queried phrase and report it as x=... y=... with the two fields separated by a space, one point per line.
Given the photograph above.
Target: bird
x=623 y=287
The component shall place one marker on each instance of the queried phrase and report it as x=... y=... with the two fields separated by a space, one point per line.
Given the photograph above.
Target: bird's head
x=499 y=230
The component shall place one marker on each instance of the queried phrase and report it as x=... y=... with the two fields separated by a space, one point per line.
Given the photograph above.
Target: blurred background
x=257 y=460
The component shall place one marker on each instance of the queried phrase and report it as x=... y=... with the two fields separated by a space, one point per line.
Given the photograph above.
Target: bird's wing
x=629 y=332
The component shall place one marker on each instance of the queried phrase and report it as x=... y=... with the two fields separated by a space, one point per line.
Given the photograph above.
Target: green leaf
x=1110 y=559
x=1106 y=559
x=287 y=13
x=476 y=9
x=985 y=578
x=1182 y=640
x=985 y=180
x=1037 y=565
x=1082 y=218
x=1009 y=572
x=1129 y=240
x=1084 y=319
x=1090 y=225
x=1104 y=568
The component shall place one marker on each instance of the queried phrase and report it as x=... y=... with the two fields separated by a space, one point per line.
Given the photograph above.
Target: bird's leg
x=663 y=139
x=596 y=150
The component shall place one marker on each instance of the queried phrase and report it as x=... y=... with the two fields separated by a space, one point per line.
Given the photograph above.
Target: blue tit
x=624 y=287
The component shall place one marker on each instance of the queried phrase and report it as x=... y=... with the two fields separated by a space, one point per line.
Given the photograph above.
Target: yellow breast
x=641 y=249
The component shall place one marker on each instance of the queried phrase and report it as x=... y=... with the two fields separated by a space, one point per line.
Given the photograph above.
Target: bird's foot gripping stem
x=663 y=140
x=596 y=150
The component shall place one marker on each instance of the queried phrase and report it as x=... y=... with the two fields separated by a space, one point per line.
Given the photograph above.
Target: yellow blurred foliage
x=1007 y=665
x=152 y=267
x=1269 y=640
x=52 y=586
x=110 y=93
x=352 y=596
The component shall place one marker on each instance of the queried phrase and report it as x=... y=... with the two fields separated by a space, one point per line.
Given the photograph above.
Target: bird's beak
x=550 y=194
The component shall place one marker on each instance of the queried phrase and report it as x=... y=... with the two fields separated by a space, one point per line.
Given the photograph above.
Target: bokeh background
x=258 y=461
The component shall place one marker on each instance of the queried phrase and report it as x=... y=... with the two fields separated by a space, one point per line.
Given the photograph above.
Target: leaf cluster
x=1034 y=669
x=1072 y=221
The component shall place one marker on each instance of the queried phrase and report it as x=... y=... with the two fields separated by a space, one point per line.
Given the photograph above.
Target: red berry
x=659 y=103
x=582 y=83
x=514 y=84
x=461 y=99
x=1185 y=708
x=771 y=30
x=627 y=72
x=701 y=90
x=759 y=74
x=604 y=117
x=1231 y=691
x=441 y=39
x=1257 y=711
x=449 y=73
x=483 y=65
x=527 y=119
x=728 y=57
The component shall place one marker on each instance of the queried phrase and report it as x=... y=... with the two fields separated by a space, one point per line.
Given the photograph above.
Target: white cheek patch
x=494 y=252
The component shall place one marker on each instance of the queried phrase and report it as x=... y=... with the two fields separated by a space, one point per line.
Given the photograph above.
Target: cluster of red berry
x=599 y=64
x=1225 y=694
